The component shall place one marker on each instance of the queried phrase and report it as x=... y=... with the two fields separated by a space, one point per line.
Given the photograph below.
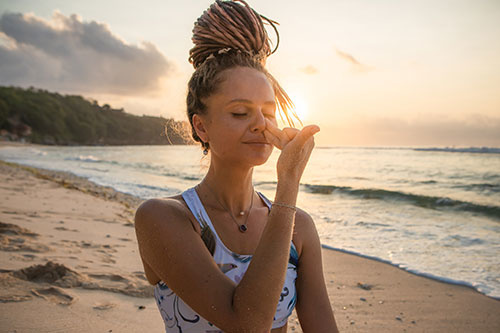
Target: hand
x=296 y=147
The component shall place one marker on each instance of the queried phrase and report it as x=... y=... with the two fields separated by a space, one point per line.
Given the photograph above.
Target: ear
x=199 y=127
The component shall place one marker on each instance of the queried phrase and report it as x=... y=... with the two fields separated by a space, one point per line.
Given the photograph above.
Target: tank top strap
x=193 y=201
x=266 y=200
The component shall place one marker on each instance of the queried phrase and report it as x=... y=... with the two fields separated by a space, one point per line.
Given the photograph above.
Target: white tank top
x=179 y=317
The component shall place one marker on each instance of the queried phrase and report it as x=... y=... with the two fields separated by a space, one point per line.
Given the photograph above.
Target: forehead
x=245 y=83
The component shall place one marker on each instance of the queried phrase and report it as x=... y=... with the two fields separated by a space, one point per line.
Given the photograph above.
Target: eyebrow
x=246 y=101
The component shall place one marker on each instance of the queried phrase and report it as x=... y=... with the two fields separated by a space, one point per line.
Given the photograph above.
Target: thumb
x=308 y=131
x=314 y=128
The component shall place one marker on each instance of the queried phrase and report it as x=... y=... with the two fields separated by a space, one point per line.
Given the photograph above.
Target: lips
x=259 y=141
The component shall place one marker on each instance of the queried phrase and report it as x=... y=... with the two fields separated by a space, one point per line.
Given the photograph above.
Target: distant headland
x=43 y=117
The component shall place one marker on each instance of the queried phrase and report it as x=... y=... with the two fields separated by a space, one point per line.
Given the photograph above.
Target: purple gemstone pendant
x=243 y=228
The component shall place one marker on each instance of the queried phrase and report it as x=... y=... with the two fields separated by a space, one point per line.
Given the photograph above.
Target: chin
x=254 y=158
x=263 y=161
x=262 y=158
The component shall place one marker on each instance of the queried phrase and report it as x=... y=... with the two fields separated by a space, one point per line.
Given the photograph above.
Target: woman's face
x=235 y=118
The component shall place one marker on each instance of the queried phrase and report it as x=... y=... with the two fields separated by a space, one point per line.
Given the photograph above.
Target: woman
x=222 y=257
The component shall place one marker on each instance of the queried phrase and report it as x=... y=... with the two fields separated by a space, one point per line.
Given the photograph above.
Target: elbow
x=241 y=327
x=250 y=320
x=249 y=312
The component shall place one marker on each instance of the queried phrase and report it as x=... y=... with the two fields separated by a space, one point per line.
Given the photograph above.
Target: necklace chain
x=243 y=227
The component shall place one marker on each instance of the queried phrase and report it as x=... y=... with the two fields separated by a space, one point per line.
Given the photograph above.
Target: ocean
x=434 y=212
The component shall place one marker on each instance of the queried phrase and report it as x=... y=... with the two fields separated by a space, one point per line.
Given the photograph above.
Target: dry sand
x=69 y=263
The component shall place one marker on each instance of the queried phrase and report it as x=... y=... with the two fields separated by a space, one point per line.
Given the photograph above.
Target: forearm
x=256 y=296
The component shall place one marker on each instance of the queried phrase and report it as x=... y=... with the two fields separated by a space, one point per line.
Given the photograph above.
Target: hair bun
x=229 y=25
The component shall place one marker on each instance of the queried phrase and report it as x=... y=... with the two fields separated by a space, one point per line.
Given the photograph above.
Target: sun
x=301 y=107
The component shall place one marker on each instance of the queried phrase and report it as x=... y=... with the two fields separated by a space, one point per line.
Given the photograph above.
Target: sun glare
x=301 y=108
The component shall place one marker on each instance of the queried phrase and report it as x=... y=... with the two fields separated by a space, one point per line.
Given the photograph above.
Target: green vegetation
x=45 y=117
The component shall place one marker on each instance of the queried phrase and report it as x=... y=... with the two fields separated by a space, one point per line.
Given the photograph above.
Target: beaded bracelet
x=285 y=205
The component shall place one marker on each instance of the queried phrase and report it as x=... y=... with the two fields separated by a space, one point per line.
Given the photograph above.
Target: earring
x=205 y=151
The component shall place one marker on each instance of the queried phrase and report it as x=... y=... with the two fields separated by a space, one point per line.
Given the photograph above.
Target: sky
x=390 y=73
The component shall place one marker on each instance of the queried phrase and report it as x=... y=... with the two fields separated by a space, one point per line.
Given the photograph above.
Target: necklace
x=243 y=227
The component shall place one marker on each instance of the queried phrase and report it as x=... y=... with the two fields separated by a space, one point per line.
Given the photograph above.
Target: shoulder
x=152 y=208
x=164 y=228
x=154 y=213
x=159 y=204
x=304 y=231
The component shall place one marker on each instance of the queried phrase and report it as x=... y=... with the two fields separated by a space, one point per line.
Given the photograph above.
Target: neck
x=232 y=187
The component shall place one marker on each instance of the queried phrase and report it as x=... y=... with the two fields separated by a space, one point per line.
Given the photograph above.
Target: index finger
x=275 y=131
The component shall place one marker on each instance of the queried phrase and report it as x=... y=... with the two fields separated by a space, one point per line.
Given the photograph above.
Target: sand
x=69 y=263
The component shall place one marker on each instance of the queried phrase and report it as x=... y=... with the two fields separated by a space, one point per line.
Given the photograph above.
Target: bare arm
x=313 y=305
x=258 y=292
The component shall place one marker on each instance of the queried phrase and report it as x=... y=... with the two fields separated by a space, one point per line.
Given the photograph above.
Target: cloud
x=309 y=70
x=68 y=54
x=356 y=65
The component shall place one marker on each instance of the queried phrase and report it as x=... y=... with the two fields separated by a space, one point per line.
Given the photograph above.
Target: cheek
x=234 y=126
x=227 y=133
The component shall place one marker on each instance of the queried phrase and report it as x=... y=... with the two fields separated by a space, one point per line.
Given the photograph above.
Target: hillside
x=44 y=117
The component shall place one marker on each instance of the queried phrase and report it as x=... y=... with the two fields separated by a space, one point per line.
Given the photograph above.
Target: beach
x=70 y=263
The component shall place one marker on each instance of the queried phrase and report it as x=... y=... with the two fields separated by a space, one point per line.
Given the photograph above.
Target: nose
x=259 y=122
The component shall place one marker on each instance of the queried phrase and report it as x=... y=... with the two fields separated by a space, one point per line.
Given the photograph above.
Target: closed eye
x=239 y=114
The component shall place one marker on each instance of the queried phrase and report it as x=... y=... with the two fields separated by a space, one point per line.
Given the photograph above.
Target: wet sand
x=69 y=262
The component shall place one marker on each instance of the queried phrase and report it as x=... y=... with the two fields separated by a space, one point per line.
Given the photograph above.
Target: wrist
x=288 y=180
x=287 y=192
x=284 y=205
x=288 y=177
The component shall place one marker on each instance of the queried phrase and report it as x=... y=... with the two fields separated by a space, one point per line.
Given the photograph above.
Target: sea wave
x=141 y=166
x=89 y=159
x=152 y=187
x=482 y=150
x=424 y=201
x=82 y=158
x=480 y=187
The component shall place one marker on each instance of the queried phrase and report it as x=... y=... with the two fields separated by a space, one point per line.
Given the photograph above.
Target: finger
x=272 y=139
x=306 y=133
x=290 y=132
x=276 y=131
